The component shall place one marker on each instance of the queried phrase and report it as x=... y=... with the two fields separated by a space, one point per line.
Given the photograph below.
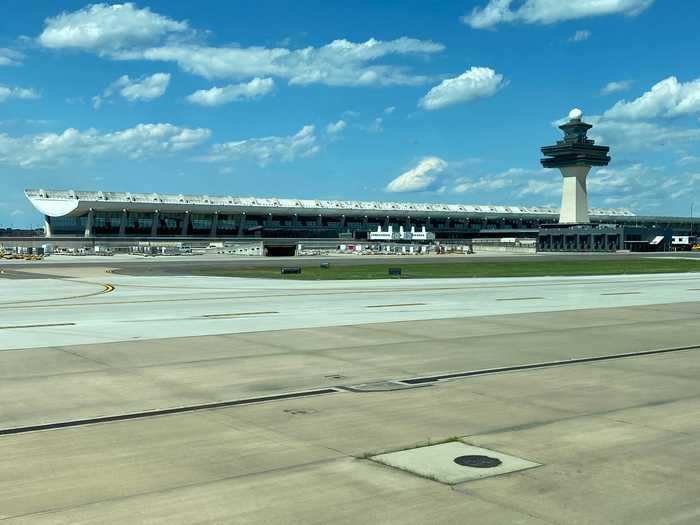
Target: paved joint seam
x=17 y=327
x=167 y=411
x=333 y=390
x=546 y=364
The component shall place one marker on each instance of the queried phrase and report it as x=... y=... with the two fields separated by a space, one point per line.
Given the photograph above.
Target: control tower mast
x=574 y=156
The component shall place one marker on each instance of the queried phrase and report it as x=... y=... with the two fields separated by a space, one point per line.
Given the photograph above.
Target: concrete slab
x=345 y=492
x=617 y=439
x=46 y=385
x=450 y=462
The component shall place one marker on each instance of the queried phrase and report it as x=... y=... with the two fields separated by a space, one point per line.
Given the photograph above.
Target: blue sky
x=428 y=101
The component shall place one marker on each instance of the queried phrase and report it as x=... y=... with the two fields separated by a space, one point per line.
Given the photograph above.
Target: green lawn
x=540 y=267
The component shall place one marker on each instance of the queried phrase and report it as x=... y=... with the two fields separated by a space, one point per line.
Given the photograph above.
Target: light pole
x=692 y=205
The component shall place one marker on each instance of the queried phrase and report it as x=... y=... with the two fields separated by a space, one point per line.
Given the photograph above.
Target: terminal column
x=214 y=224
x=241 y=224
x=155 y=224
x=47 y=226
x=185 y=224
x=89 y=223
x=122 y=224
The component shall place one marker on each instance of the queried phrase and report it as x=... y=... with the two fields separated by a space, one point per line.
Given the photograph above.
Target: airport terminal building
x=140 y=216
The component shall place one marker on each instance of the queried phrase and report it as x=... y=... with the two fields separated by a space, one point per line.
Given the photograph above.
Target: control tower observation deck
x=574 y=156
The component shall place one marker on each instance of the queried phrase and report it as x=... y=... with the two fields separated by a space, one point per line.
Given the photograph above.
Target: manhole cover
x=478 y=461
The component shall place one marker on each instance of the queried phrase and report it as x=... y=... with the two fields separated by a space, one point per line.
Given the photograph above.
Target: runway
x=111 y=307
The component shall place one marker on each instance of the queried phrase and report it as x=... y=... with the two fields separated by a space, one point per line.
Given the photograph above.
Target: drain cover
x=478 y=461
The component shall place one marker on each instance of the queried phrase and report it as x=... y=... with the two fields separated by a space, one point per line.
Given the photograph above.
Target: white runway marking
x=162 y=307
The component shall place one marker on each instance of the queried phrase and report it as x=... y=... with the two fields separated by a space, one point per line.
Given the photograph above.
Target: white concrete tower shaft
x=574 y=195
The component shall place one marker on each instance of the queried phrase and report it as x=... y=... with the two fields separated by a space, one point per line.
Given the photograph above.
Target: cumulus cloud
x=340 y=63
x=474 y=83
x=389 y=110
x=14 y=92
x=549 y=11
x=514 y=182
x=668 y=98
x=336 y=127
x=616 y=87
x=580 y=35
x=10 y=57
x=421 y=177
x=123 y=32
x=141 y=141
x=636 y=186
x=146 y=88
x=543 y=188
x=647 y=123
x=140 y=89
x=104 y=28
x=638 y=136
x=267 y=149
x=216 y=96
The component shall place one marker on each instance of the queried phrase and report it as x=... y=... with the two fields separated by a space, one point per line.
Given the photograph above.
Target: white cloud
x=216 y=96
x=389 y=110
x=644 y=124
x=14 y=92
x=124 y=32
x=514 y=182
x=421 y=177
x=474 y=83
x=616 y=87
x=376 y=126
x=141 y=141
x=688 y=159
x=146 y=88
x=10 y=57
x=640 y=136
x=267 y=149
x=580 y=35
x=336 y=127
x=668 y=98
x=635 y=186
x=549 y=188
x=550 y=11
x=340 y=63
x=104 y=28
x=140 y=89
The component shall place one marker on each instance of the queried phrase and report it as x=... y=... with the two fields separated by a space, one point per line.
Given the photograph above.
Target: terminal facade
x=139 y=216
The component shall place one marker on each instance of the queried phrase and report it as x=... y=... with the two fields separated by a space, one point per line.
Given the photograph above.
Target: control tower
x=574 y=156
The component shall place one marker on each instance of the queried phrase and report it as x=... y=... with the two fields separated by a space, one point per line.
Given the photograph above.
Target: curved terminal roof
x=59 y=203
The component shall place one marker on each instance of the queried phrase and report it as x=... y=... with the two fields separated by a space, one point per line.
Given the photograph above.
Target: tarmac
x=137 y=408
